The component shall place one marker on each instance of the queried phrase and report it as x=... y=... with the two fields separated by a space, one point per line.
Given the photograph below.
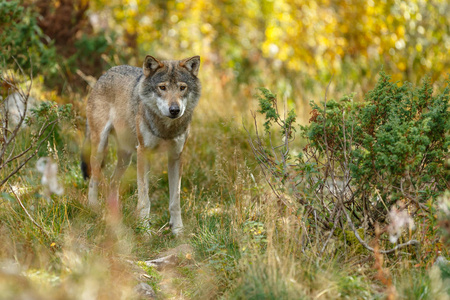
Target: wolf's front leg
x=175 y=169
x=143 y=206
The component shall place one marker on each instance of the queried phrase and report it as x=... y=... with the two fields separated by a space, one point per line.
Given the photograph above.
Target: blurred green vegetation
x=246 y=244
x=23 y=39
x=293 y=45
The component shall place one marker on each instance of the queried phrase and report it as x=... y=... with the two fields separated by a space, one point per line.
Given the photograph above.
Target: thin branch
x=262 y=163
x=336 y=219
x=28 y=214
x=28 y=158
x=41 y=132
x=365 y=245
x=25 y=98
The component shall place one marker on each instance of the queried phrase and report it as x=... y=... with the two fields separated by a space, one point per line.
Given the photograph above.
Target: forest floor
x=238 y=242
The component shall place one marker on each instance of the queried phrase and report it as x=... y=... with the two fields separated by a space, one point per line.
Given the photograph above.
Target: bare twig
x=336 y=219
x=28 y=214
x=9 y=136
x=365 y=245
x=30 y=156
x=262 y=164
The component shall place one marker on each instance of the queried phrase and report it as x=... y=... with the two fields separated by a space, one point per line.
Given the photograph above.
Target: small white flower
x=399 y=219
x=49 y=170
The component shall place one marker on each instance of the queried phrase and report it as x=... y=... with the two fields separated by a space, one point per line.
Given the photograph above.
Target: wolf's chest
x=150 y=140
x=147 y=137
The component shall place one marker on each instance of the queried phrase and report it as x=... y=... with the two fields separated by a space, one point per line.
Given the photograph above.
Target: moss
x=351 y=239
x=155 y=277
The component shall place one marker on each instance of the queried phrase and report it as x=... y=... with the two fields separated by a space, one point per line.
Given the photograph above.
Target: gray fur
x=130 y=83
x=134 y=104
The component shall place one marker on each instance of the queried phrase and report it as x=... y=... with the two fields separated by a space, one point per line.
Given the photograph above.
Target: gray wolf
x=148 y=108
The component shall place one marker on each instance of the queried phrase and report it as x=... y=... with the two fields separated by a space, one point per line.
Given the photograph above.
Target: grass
x=246 y=246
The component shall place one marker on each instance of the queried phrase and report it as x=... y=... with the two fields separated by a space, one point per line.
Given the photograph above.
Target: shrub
x=22 y=38
x=361 y=159
x=56 y=38
x=19 y=143
x=82 y=52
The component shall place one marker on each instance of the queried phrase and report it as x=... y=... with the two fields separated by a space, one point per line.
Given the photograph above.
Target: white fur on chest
x=153 y=142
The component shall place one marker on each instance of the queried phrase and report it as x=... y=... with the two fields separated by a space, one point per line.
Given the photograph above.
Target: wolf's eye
x=182 y=88
x=162 y=87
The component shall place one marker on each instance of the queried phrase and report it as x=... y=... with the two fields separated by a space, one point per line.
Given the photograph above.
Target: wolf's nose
x=174 y=110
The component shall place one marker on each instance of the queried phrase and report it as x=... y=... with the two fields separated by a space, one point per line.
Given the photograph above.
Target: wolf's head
x=171 y=88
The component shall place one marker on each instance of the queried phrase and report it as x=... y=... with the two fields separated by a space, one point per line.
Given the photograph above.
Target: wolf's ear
x=151 y=64
x=191 y=64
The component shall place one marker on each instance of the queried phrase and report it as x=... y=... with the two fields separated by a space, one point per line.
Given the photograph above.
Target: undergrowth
x=251 y=240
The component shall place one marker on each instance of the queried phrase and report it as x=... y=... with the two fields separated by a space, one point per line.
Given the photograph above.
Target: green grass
x=246 y=246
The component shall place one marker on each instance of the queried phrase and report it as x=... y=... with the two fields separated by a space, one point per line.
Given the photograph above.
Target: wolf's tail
x=86 y=154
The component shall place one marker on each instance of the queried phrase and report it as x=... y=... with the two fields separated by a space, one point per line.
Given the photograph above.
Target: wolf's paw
x=93 y=203
x=177 y=231
x=177 y=226
x=143 y=215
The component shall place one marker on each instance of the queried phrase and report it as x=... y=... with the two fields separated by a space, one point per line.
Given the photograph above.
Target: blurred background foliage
x=289 y=45
x=293 y=43
x=293 y=47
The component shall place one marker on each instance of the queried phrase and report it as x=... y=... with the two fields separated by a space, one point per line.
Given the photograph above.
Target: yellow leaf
x=401 y=66
x=419 y=47
x=401 y=30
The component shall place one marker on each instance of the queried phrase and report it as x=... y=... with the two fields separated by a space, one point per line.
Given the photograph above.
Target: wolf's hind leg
x=85 y=154
x=96 y=168
x=99 y=143
x=143 y=206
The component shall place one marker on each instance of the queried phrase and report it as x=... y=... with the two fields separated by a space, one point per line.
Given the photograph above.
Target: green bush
x=56 y=57
x=404 y=134
x=21 y=143
x=361 y=158
x=22 y=39
x=395 y=142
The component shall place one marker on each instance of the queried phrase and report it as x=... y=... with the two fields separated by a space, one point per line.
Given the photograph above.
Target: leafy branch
x=361 y=158
x=39 y=123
